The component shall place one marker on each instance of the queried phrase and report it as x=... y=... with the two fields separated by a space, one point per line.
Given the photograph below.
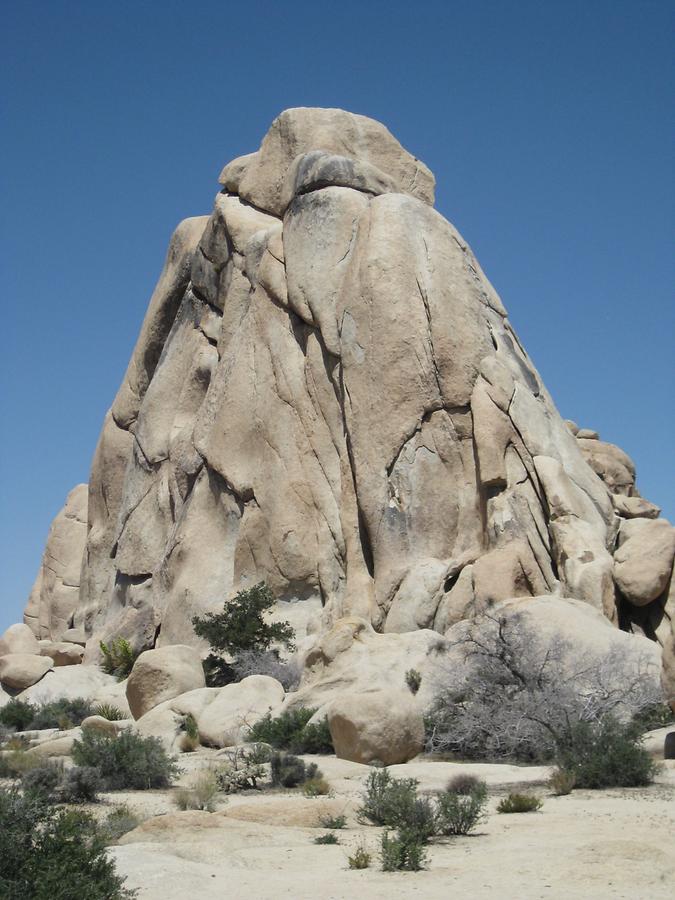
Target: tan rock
x=634 y=507
x=101 y=725
x=163 y=674
x=19 y=639
x=226 y=720
x=69 y=683
x=382 y=726
x=643 y=563
x=20 y=670
x=610 y=462
x=63 y=653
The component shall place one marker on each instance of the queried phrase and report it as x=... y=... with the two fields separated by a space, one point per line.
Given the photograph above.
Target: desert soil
x=259 y=845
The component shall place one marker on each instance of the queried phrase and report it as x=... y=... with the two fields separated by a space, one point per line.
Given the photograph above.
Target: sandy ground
x=259 y=845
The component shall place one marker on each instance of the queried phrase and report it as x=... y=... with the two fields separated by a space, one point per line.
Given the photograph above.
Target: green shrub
x=242 y=626
x=291 y=731
x=334 y=822
x=657 y=715
x=81 y=784
x=519 y=803
x=63 y=714
x=387 y=800
x=562 y=782
x=49 y=853
x=17 y=714
x=360 y=858
x=403 y=852
x=117 y=823
x=126 y=760
x=413 y=679
x=316 y=787
x=118 y=658
x=605 y=754
x=108 y=711
x=17 y=742
x=290 y=771
x=328 y=838
x=42 y=780
x=464 y=784
x=241 y=773
x=190 y=738
x=459 y=810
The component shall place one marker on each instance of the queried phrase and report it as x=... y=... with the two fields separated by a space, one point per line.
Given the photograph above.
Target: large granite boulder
x=163 y=674
x=19 y=638
x=20 y=670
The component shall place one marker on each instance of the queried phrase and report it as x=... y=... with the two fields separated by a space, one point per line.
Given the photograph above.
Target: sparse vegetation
x=46 y=852
x=190 y=738
x=63 y=714
x=387 y=800
x=15 y=763
x=519 y=803
x=606 y=754
x=117 y=823
x=562 y=782
x=199 y=794
x=108 y=711
x=413 y=679
x=80 y=784
x=290 y=771
x=461 y=806
x=328 y=838
x=42 y=780
x=118 y=658
x=333 y=822
x=293 y=731
x=404 y=851
x=126 y=760
x=242 y=772
x=360 y=858
x=316 y=787
x=17 y=714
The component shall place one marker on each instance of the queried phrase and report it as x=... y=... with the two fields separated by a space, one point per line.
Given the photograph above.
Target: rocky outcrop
x=21 y=670
x=56 y=591
x=327 y=395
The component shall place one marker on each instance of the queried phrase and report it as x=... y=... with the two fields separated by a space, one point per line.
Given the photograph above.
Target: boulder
x=643 y=563
x=163 y=674
x=383 y=726
x=669 y=746
x=19 y=639
x=226 y=720
x=610 y=463
x=635 y=507
x=102 y=725
x=20 y=670
x=60 y=745
x=62 y=652
x=70 y=683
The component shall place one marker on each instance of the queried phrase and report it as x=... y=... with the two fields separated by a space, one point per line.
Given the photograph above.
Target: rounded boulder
x=163 y=674
x=19 y=671
x=19 y=639
x=382 y=726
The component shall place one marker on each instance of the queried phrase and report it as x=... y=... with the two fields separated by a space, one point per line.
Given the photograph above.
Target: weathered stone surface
x=19 y=638
x=643 y=563
x=56 y=591
x=110 y=727
x=20 y=670
x=163 y=674
x=327 y=395
x=383 y=726
x=635 y=507
x=71 y=682
x=63 y=653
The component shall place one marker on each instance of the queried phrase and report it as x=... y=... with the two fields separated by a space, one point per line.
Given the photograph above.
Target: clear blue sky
x=546 y=124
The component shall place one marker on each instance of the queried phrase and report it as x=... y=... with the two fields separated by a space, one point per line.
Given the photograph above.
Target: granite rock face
x=327 y=395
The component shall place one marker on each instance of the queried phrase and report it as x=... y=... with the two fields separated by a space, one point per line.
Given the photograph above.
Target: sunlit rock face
x=327 y=395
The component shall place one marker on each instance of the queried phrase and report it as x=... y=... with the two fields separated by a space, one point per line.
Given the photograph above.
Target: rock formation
x=327 y=395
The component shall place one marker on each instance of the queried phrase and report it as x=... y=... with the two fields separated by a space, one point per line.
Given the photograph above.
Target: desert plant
x=387 y=800
x=117 y=823
x=17 y=714
x=656 y=715
x=290 y=771
x=333 y=822
x=360 y=858
x=404 y=851
x=520 y=693
x=199 y=794
x=605 y=754
x=519 y=803
x=562 y=782
x=464 y=784
x=328 y=838
x=17 y=742
x=108 y=711
x=46 y=852
x=241 y=773
x=63 y=714
x=460 y=807
x=413 y=679
x=42 y=780
x=316 y=787
x=126 y=760
x=291 y=730
x=80 y=784
x=118 y=658
x=190 y=734
x=17 y=762
x=267 y=662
